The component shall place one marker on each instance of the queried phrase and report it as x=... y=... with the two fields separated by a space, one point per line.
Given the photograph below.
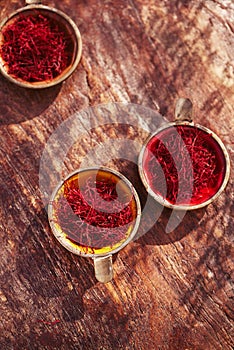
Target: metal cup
x=183 y=116
x=102 y=256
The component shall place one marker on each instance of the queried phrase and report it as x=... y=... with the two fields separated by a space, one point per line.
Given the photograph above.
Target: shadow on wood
x=41 y=262
x=22 y=104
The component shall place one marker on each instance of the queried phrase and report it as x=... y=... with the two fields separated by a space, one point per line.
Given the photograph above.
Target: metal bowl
x=71 y=29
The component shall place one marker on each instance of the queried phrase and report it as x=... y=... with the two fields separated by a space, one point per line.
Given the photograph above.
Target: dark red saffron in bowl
x=95 y=212
x=184 y=165
x=35 y=47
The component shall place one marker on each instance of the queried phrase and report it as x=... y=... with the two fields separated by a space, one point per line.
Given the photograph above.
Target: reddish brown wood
x=170 y=291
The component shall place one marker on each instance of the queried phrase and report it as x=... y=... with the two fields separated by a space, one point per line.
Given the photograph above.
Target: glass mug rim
x=159 y=198
x=72 y=248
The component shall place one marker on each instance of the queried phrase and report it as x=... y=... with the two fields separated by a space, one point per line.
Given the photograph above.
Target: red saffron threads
x=192 y=162
x=95 y=214
x=35 y=48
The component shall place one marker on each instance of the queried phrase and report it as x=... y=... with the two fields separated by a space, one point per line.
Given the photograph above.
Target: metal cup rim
x=159 y=198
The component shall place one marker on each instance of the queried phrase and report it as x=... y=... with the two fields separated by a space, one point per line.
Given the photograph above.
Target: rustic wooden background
x=170 y=291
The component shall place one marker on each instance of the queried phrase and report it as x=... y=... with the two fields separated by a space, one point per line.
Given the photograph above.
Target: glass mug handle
x=184 y=110
x=103 y=268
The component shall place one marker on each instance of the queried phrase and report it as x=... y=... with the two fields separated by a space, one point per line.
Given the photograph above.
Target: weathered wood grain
x=170 y=291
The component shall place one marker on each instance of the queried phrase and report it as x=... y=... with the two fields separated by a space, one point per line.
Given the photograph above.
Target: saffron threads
x=184 y=160
x=94 y=212
x=35 y=48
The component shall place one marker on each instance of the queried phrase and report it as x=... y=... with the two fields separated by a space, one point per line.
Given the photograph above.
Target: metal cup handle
x=103 y=268
x=184 y=110
x=30 y=2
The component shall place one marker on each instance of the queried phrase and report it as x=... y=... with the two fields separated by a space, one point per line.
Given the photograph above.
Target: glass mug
x=33 y=8
x=184 y=165
x=95 y=212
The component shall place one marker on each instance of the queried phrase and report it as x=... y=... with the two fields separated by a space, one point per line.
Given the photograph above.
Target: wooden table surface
x=170 y=290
